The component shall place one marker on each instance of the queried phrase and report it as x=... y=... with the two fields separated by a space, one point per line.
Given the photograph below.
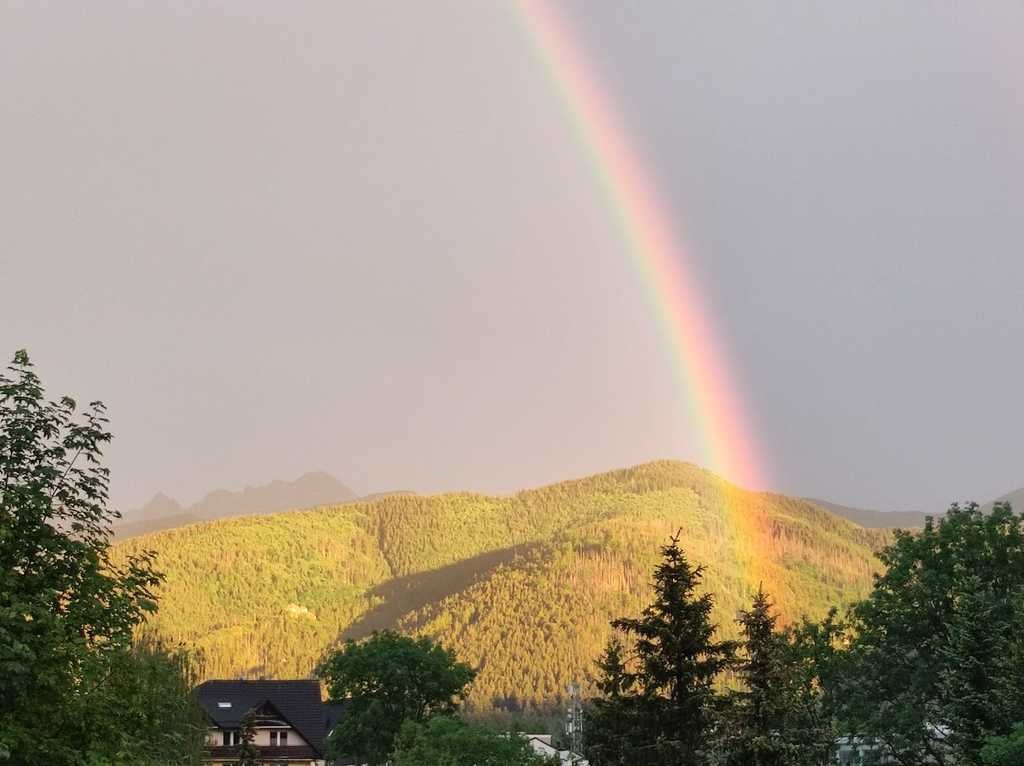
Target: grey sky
x=275 y=237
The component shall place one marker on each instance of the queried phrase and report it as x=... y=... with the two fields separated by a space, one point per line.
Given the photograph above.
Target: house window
x=278 y=738
x=232 y=738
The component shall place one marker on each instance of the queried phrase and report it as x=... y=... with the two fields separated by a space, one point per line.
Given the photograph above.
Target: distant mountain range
x=874 y=519
x=320 y=488
x=906 y=519
x=164 y=512
x=1015 y=499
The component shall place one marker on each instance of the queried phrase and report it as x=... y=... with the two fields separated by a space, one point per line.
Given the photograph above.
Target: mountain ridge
x=522 y=586
x=906 y=519
x=319 y=488
x=1014 y=498
x=874 y=519
x=163 y=512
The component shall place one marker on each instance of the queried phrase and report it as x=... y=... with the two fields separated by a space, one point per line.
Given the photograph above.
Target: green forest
x=522 y=587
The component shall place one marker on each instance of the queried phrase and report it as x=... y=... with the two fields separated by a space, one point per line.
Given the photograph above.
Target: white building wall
x=215 y=737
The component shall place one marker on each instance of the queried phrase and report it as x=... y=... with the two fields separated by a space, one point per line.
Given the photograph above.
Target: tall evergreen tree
x=774 y=719
x=668 y=692
x=612 y=717
x=249 y=754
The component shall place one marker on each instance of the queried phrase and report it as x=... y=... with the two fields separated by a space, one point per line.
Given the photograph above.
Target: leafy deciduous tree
x=67 y=613
x=1005 y=751
x=447 y=741
x=139 y=710
x=389 y=679
x=932 y=669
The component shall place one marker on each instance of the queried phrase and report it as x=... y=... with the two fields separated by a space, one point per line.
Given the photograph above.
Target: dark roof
x=298 y=701
x=334 y=711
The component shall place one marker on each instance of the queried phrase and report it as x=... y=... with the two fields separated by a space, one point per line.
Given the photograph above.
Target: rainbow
x=699 y=362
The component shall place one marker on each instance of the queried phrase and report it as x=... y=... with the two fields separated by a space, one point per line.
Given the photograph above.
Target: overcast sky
x=363 y=237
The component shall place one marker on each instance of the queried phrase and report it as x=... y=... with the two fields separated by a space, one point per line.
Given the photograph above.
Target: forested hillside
x=522 y=586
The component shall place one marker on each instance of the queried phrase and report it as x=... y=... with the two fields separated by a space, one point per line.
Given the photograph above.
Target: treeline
x=522 y=587
x=927 y=669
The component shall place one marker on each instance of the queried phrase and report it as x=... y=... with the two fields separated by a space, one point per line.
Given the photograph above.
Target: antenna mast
x=574 y=721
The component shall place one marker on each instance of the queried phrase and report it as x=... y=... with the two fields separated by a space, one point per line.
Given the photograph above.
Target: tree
x=249 y=754
x=933 y=666
x=140 y=710
x=389 y=679
x=447 y=741
x=67 y=612
x=667 y=695
x=775 y=718
x=1005 y=751
x=612 y=722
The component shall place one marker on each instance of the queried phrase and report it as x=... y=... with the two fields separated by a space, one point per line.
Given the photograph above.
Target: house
x=862 y=751
x=541 y=745
x=870 y=751
x=291 y=721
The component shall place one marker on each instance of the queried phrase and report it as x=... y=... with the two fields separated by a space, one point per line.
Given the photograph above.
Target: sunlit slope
x=521 y=586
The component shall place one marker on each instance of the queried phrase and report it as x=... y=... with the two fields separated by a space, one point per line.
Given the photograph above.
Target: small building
x=290 y=720
x=541 y=745
x=861 y=751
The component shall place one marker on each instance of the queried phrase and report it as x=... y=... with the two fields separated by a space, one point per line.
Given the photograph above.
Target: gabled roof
x=297 y=701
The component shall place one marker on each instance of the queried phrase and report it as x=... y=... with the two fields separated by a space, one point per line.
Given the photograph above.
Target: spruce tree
x=611 y=717
x=249 y=754
x=774 y=719
x=667 y=695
